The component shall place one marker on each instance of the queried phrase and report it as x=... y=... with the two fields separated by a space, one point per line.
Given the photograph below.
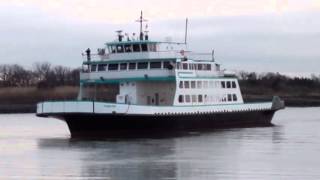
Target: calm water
x=36 y=148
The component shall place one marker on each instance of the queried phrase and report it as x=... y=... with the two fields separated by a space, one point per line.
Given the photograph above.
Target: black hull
x=116 y=124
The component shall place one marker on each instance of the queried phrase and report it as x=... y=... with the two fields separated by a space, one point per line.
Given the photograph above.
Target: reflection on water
x=32 y=148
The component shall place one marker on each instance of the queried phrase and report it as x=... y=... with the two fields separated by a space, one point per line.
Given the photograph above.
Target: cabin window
x=206 y=99
x=229 y=97
x=93 y=67
x=191 y=66
x=200 y=98
x=234 y=97
x=132 y=66
x=194 y=98
x=127 y=48
x=184 y=66
x=199 y=66
x=234 y=84
x=142 y=65
x=123 y=66
x=188 y=98
x=144 y=47
x=155 y=65
x=113 y=67
x=181 y=84
x=199 y=84
x=167 y=65
x=113 y=49
x=195 y=67
x=193 y=84
x=204 y=66
x=136 y=48
x=224 y=99
x=217 y=84
x=228 y=84
x=211 y=84
x=120 y=49
x=223 y=84
x=205 y=84
x=186 y=85
x=209 y=67
x=180 y=99
x=102 y=67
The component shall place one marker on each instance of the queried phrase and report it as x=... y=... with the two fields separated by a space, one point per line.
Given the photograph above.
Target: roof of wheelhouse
x=131 y=42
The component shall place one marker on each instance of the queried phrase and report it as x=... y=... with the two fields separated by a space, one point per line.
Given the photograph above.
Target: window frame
x=130 y=67
x=157 y=63
x=115 y=65
x=121 y=65
x=145 y=65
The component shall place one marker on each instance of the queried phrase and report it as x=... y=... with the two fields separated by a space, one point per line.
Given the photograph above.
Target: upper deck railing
x=180 y=55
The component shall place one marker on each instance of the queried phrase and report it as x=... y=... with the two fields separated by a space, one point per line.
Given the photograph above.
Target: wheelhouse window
x=113 y=67
x=136 y=48
x=144 y=47
x=142 y=65
x=120 y=49
x=132 y=66
x=113 y=49
x=199 y=66
x=155 y=65
x=185 y=66
x=152 y=47
x=102 y=67
x=127 y=48
x=93 y=67
x=123 y=66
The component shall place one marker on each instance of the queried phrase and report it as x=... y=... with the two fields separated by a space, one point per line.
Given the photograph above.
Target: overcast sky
x=260 y=35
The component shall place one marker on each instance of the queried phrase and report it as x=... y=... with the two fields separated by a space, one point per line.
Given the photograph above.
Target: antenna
x=141 y=20
x=212 y=55
x=186 y=32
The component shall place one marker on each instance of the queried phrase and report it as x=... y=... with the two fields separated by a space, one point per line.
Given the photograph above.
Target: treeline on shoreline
x=21 y=87
x=296 y=91
x=41 y=75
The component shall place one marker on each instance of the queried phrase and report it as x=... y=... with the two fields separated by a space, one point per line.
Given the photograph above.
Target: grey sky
x=279 y=42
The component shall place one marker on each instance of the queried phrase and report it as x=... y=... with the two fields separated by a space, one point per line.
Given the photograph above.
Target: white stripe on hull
x=113 y=108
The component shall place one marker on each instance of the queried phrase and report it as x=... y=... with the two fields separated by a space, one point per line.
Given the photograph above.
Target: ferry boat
x=136 y=85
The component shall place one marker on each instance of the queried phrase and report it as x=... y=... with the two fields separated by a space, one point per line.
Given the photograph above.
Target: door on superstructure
x=157 y=99
x=148 y=100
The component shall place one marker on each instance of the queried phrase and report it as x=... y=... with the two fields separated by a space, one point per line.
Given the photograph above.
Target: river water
x=40 y=148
